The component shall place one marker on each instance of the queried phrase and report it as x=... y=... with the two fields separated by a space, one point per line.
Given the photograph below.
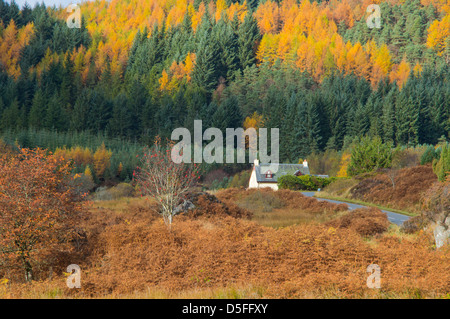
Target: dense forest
x=137 y=69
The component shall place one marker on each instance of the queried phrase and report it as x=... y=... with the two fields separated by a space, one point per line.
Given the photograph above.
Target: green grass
x=325 y=195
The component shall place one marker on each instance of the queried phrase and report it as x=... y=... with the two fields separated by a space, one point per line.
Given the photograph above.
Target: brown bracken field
x=229 y=247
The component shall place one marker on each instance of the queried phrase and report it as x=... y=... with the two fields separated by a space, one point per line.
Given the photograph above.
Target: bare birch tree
x=164 y=180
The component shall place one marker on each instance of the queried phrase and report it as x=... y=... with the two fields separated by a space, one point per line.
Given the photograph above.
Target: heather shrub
x=413 y=224
x=365 y=221
x=207 y=205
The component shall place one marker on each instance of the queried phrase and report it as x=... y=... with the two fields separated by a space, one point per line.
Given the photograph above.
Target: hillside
x=136 y=69
x=407 y=192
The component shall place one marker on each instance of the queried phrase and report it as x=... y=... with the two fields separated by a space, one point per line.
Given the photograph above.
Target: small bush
x=441 y=167
x=116 y=192
x=240 y=179
x=208 y=205
x=365 y=221
x=408 y=157
x=327 y=163
x=220 y=184
x=429 y=155
x=304 y=182
x=82 y=184
x=413 y=225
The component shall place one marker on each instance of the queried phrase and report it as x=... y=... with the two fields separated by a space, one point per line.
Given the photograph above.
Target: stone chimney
x=305 y=163
x=255 y=163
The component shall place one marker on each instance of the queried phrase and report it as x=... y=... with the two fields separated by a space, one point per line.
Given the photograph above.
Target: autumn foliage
x=38 y=210
x=100 y=160
x=12 y=40
x=302 y=34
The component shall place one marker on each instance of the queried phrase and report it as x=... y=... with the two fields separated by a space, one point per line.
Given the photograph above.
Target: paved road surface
x=393 y=217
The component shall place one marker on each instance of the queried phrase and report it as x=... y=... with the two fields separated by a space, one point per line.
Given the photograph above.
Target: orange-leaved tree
x=164 y=180
x=38 y=209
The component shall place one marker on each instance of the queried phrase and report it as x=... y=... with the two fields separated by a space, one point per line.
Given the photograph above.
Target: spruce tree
x=248 y=35
x=37 y=114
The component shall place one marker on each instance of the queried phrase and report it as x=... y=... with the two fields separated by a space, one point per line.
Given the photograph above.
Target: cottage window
x=269 y=174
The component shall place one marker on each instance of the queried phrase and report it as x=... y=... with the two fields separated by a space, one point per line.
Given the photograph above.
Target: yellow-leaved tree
x=345 y=160
x=102 y=158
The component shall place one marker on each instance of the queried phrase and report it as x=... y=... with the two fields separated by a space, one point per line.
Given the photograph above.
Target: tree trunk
x=28 y=272
x=28 y=269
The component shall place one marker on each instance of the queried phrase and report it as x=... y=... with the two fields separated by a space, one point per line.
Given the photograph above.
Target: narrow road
x=393 y=217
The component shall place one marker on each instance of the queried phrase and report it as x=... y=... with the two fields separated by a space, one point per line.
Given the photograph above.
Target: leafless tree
x=159 y=177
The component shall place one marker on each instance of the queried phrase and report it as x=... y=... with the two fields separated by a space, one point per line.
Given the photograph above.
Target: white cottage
x=263 y=176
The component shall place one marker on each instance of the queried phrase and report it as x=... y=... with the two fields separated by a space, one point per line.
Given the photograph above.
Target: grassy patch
x=258 y=201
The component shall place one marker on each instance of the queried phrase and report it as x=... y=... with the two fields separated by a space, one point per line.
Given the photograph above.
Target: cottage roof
x=281 y=170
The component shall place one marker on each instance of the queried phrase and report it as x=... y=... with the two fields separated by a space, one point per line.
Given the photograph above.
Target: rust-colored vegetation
x=403 y=190
x=410 y=185
x=134 y=253
x=221 y=249
x=366 y=222
x=283 y=207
